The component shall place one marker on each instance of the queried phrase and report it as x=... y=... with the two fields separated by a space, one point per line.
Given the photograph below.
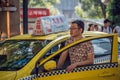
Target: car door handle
x=106 y=74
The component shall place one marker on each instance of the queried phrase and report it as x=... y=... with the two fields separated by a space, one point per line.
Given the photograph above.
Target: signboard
x=50 y=24
x=8 y=8
x=35 y=12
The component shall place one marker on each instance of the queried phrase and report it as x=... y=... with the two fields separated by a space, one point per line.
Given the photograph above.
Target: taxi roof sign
x=50 y=24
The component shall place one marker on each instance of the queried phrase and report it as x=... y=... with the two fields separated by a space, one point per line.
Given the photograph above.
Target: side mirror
x=50 y=65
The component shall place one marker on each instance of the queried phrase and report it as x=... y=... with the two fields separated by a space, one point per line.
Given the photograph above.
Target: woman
x=91 y=27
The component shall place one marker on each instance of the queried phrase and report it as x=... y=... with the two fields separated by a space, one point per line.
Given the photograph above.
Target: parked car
x=29 y=57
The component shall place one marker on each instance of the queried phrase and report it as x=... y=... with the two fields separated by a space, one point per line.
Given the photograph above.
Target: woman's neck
x=77 y=38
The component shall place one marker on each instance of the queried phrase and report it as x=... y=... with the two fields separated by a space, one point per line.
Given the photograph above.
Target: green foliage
x=92 y=8
x=79 y=11
x=114 y=12
x=41 y=3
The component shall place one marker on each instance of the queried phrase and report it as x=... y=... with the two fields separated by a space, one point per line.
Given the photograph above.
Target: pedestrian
x=96 y=27
x=91 y=27
x=107 y=26
x=81 y=54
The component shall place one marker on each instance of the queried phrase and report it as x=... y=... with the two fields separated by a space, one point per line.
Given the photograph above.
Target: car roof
x=53 y=35
x=93 y=33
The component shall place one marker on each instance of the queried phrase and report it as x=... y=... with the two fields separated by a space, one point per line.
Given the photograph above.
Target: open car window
x=102 y=51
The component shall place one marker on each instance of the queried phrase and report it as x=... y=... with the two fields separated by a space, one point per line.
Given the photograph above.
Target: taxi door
x=104 y=68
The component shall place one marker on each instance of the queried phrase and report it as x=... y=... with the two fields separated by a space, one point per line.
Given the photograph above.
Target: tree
x=93 y=8
x=114 y=12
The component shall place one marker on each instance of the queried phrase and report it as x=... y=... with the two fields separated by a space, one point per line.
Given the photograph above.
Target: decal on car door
x=78 y=69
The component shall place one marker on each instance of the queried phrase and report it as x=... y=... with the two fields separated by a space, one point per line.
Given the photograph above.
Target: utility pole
x=25 y=16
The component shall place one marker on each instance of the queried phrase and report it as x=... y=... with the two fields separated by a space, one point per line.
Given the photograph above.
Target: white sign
x=50 y=24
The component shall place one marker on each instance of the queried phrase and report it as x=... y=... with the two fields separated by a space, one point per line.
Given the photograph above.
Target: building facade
x=67 y=8
x=9 y=18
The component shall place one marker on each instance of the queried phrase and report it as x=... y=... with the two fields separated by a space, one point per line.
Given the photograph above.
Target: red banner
x=35 y=12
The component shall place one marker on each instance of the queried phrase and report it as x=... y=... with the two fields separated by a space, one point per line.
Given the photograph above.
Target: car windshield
x=14 y=54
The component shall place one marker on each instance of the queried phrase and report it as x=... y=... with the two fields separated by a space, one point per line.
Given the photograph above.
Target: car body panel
x=7 y=75
x=106 y=71
x=48 y=37
x=89 y=72
x=84 y=75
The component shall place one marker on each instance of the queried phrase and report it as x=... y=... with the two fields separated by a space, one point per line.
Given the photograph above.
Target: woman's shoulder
x=69 y=40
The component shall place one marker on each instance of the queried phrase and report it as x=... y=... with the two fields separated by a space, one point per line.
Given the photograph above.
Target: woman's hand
x=71 y=67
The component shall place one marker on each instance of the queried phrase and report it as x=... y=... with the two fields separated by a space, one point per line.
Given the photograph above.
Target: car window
x=54 y=49
x=102 y=50
x=48 y=54
x=119 y=49
x=14 y=54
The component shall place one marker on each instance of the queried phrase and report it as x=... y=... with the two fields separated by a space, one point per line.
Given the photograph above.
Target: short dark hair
x=106 y=20
x=80 y=24
x=90 y=25
x=95 y=25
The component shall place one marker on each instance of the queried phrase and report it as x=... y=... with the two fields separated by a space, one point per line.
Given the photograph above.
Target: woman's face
x=92 y=28
x=107 y=24
x=74 y=30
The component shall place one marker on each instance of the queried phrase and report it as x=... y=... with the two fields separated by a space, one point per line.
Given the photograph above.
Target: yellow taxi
x=28 y=57
x=35 y=56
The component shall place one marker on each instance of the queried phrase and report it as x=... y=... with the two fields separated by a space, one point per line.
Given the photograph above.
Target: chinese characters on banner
x=35 y=12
